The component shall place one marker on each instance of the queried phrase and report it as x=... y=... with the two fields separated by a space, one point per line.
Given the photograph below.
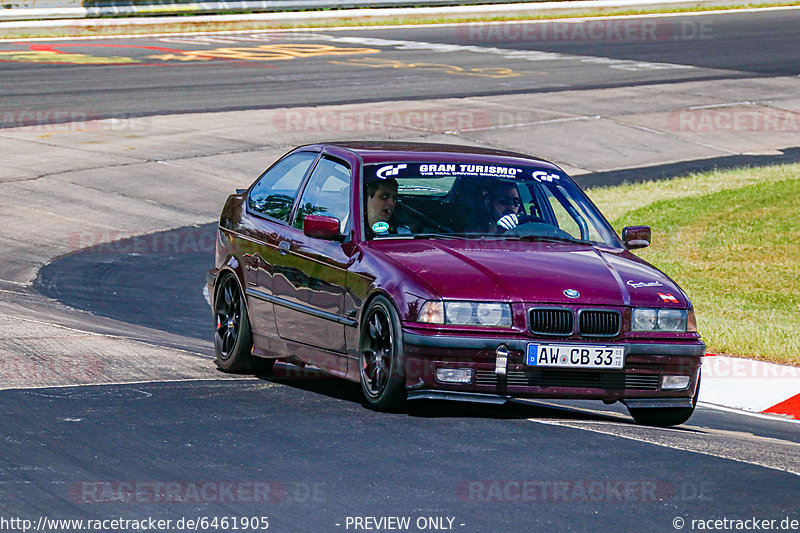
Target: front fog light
x=675 y=382
x=454 y=375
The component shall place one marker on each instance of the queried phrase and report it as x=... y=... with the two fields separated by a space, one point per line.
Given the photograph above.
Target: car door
x=310 y=283
x=269 y=207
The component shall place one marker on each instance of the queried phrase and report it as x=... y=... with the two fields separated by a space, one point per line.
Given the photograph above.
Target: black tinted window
x=275 y=191
x=479 y=200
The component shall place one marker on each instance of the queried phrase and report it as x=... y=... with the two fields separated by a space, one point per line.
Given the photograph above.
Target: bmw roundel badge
x=571 y=293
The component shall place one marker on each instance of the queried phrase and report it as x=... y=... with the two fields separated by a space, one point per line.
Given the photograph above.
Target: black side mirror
x=636 y=237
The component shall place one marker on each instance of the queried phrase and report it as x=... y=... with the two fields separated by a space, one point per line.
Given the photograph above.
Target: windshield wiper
x=497 y=236
x=441 y=236
x=552 y=238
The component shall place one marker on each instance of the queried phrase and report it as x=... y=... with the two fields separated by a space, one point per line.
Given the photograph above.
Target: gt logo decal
x=541 y=175
x=389 y=170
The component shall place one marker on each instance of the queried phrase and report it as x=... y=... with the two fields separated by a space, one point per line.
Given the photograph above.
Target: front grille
x=598 y=379
x=597 y=323
x=551 y=322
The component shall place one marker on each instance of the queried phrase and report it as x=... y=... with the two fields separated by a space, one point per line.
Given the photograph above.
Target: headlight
x=459 y=312
x=493 y=314
x=466 y=313
x=659 y=320
x=644 y=319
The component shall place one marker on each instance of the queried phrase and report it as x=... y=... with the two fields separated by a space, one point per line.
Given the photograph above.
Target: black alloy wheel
x=233 y=341
x=381 y=357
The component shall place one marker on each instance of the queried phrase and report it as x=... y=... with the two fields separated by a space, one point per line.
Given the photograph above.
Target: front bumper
x=639 y=381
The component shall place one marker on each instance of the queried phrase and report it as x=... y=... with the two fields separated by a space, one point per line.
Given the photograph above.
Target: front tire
x=381 y=358
x=665 y=416
x=233 y=341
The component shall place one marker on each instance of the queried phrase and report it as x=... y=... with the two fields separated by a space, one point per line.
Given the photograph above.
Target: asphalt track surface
x=146 y=76
x=300 y=448
x=101 y=452
x=562 y=465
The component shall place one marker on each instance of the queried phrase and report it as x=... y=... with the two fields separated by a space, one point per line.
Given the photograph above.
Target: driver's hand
x=508 y=221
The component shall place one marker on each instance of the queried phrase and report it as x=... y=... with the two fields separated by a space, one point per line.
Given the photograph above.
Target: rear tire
x=665 y=416
x=233 y=341
x=381 y=357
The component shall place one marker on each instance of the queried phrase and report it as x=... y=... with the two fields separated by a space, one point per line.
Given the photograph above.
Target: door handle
x=284 y=246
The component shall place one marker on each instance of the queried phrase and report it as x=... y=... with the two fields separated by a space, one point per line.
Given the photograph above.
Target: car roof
x=383 y=151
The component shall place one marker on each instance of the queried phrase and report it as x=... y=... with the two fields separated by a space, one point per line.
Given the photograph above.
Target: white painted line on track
x=18 y=283
x=673 y=439
x=7 y=291
x=84 y=333
x=726 y=104
x=534 y=123
x=507 y=53
x=144 y=382
x=59 y=326
x=762 y=416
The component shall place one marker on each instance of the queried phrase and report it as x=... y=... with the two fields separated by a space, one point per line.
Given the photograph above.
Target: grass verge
x=732 y=241
x=142 y=28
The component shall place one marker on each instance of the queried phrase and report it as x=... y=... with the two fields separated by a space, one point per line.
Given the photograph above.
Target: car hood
x=507 y=270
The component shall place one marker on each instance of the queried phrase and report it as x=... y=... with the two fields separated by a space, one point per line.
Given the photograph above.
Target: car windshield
x=469 y=200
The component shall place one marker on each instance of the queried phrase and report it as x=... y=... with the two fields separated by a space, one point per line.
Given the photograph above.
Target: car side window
x=274 y=193
x=327 y=193
x=571 y=217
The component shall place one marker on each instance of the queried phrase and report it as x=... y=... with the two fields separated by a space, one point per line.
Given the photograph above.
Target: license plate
x=575 y=356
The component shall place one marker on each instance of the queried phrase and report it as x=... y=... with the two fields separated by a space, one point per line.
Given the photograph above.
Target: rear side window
x=274 y=193
x=327 y=193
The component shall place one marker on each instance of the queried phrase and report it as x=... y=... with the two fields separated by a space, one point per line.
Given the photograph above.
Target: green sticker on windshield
x=380 y=227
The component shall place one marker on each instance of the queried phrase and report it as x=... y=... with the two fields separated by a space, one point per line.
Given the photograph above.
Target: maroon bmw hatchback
x=428 y=271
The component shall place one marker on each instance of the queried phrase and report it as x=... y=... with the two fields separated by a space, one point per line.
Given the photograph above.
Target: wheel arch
x=371 y=297
x=232 y=266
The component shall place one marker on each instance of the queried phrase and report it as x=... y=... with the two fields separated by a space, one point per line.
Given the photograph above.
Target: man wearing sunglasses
x=504 y=206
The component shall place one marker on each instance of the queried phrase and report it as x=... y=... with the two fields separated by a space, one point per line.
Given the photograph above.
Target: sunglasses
x=509 y=200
